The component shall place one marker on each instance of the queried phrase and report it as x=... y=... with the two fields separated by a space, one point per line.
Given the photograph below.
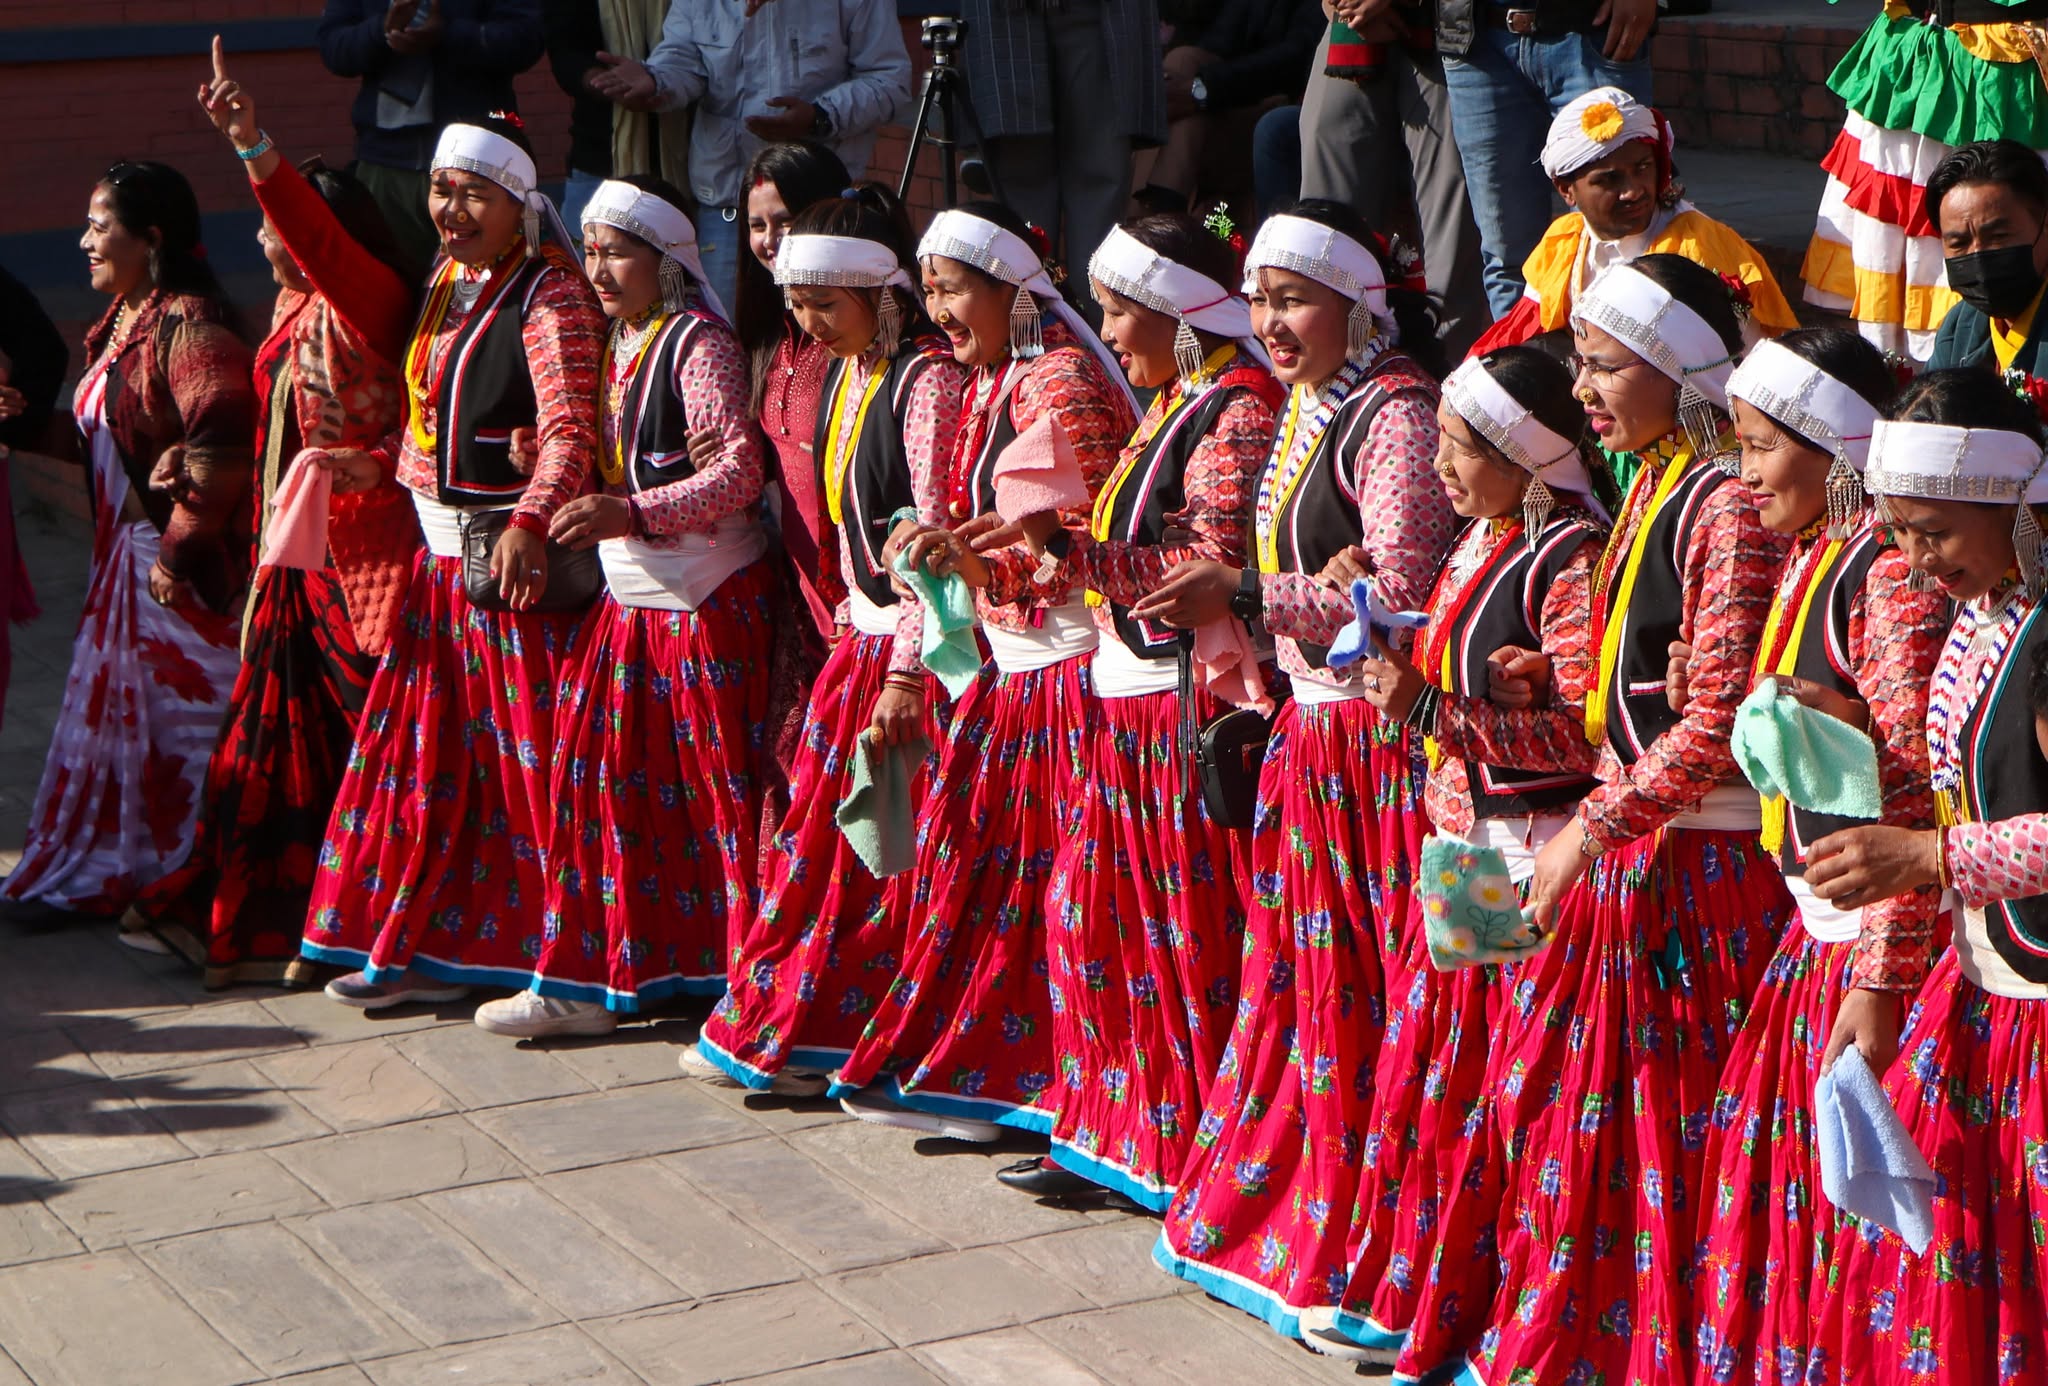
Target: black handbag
x=575 y=576
x=1227 y=753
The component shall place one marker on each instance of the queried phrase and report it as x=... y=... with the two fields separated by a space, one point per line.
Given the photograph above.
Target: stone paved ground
x=199 y=1190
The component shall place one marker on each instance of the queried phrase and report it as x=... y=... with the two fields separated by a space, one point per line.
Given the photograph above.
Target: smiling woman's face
x=1304 y=324
x=477 y=219
x=1965 y=548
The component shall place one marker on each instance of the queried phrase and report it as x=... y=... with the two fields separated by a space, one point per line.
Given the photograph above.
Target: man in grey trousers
x=1349 y=153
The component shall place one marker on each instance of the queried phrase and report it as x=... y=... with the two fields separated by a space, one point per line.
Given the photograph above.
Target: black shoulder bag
x=1227 y=752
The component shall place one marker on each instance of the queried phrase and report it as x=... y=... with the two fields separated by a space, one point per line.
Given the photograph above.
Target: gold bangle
x=1942 y=877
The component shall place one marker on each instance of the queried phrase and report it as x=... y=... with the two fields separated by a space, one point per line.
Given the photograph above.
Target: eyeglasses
x=1599 y=372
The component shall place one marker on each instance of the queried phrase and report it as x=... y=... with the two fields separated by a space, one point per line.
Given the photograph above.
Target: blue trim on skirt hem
x=1099 y=1171
x=1282 y=1318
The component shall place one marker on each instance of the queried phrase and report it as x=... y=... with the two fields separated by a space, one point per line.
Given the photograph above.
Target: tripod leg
x=918 y=131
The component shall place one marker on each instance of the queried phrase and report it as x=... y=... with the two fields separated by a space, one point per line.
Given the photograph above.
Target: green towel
x=1815 y=761
x=879 y=813
x=949 y=647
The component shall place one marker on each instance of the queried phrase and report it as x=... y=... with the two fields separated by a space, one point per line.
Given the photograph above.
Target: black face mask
x=1997 y=283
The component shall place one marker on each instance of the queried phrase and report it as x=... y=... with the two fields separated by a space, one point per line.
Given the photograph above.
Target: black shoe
x=1041 y=1178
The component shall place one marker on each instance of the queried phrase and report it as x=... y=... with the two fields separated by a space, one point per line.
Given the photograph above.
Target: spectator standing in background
x=608 y=140
x=833 y=71
x=1511 y=69
x=1223 y=68
x=33 y=361
x=1350 y=114
x=1064 y=93
x=423 y=64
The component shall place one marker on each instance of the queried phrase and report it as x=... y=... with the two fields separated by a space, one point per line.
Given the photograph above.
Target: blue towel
x=1869 y=1166
x=1354 y=642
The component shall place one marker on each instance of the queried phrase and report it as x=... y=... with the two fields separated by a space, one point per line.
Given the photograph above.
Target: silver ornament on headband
x=1027 y=332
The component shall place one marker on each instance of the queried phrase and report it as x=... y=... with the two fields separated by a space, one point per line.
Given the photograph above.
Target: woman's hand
x=1823 y=699
x=1517 y=678
x=898 y=716
x=1195 y=593
x=1677 y=675
x=231 y=109
x=1860 y=866
x=168 y=474
x=944 y=551
x=588 y=519
x=353 y=470
x=1559 y=866
x=522 y=450
x=706 y=445
x=169 y=590
x=520 y=565
x=1349 y=565
x=1392 y=682
x=1870 y=1021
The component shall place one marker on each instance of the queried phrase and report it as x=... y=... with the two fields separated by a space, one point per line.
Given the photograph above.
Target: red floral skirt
x=1969 y=1085
x=239 y=902
x=825 y=943
x=1767 y=1230
x=1602 y=1082
x=1147 y=934
x=656 y=797
x=433 y=856
x=966 y=1026
x=1264 y=1215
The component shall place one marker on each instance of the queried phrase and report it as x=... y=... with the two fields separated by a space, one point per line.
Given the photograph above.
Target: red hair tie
x=511 y=118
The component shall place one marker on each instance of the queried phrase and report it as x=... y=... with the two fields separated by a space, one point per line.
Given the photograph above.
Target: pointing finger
x=220 y=60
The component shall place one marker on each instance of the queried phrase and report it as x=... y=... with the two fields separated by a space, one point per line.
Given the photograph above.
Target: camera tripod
x=945 y=90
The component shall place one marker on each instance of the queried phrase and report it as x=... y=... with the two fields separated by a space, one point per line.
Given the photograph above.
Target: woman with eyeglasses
x=429 y=878
x=165 y=412
x=1264 y=1217
x=1662 y=908
x=326 y=377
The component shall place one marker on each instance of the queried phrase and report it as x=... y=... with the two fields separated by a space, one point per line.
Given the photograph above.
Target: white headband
x=973 y=240
x=1987 y=466
x=1505 y=422
x=1805 y=399
x=656 y=221
x=1125 y=265
x=1643 y=316
x=1593 y=126
x=1324 y=254
x=839 y=262
x=474 y=149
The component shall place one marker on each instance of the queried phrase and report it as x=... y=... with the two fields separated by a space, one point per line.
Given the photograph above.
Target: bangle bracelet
x=257 y=150
x=1942 y=876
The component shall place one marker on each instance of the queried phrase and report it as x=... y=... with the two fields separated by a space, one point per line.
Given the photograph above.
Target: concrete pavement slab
x=953 y=1294
x=556 y=1254
x=601 y=1128
x=561 y=1356
x=55 y=1317
x=418 y=1157
x=166 y=1200
x=359 y=1086
x=738 y=1337
x=668 y=1223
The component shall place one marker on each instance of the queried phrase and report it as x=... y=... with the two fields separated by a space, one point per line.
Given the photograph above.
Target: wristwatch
x=1245 y=602
x=821 y=123
x=1056 y=550
x=1199 y=90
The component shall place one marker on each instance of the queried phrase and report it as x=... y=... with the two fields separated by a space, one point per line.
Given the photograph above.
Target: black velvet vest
x=656 y=420
x=876 y=481
x=486 y=391
x=1638 y=712
x=2004 y=775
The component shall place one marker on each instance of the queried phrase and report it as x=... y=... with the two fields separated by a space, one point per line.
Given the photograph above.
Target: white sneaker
x=531 y=1016
x=791 y=1082
x=877 y=1110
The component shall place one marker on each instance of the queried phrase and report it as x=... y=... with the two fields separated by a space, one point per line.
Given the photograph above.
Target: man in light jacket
x=834 y=71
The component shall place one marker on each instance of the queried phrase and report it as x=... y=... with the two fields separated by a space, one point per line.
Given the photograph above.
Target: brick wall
x=1732 y=85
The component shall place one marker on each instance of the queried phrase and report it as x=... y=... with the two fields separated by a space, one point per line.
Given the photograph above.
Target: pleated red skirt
x=656 y=796
x=1264 y=1216
x=1147 y=935
x=966 y=1027
x=820 y=951
x=432 y=859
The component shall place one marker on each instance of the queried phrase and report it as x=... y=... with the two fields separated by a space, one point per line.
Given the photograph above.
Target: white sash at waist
x=868 y=618
x=1517 y=839
x=440 y=526
x=683 y=576
x=1066 y=631
x=1311 y=691
x=1820 y=919
x=1980 y=961
x=1728 y=808
x=1117 y=673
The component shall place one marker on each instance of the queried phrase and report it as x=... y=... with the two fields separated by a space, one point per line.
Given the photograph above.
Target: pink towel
x=1038 y=472
x=296 y=536
x=1228 y=666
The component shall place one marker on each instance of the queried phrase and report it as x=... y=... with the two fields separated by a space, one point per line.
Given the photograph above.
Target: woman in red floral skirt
x=1586 y=1173
x=431 y=878
x=1850 y=636
x=1960 y=481
x=1514 y=589
x=1264 y=1215
x=654 y=793
x=1147 y=926
x=961 y=1042
x=808 y=970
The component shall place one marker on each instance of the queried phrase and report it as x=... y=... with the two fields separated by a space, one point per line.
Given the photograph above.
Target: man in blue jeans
x=1510 y=68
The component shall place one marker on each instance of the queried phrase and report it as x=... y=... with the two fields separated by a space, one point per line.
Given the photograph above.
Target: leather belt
x=1540 y=20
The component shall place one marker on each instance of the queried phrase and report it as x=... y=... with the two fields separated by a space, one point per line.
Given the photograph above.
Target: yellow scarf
x=1775 y=811
x=836 y=456
x=1617 y=609
x=2006 y=341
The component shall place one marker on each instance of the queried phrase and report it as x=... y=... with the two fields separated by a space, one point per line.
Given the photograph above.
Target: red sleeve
x=365 y=292
x=711 y=379
x=564 y=334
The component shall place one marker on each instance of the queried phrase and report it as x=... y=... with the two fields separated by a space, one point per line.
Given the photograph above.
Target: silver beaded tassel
x=1697 y=415
x=1359 y=330
x=1027 y=333
x=889 y=322
x=1538 y=500
x=1846 y=497
x=1188 y=356
x=2026 y=548
x=675 y=284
